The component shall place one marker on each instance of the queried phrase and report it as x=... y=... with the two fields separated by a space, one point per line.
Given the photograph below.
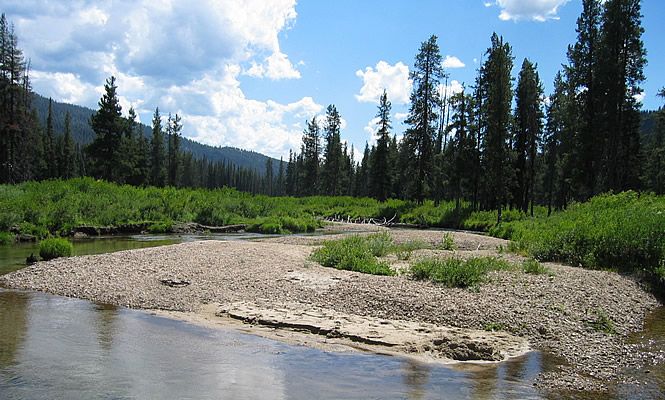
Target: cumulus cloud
x=169 y=54
x=453 y=62
x=536 y=10
x=448 y=90
x=393 y=78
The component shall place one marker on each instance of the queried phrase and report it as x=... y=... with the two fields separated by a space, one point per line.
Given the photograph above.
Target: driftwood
x=374 y=221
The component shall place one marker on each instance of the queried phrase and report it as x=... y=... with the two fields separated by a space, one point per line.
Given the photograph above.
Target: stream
x=54 y=347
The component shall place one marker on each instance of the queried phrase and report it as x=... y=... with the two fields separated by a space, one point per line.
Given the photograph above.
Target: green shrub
x=532 y=266
x=7 y=237
x=456 y=272
x=600 y=322
x=352 y=253
x=379 y=244
x=447 y=243
x=54 y=248
x=161 y=227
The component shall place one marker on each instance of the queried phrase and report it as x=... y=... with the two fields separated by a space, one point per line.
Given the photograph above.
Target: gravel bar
x=551 y=312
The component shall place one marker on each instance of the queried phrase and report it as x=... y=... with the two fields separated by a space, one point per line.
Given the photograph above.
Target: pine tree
x=280 y=190
x=583 y=58
x=333 y=157
x=380 y=178
x=654 y=168
x=460 y=151
x=173 y=133
x=623 y=58
x=157 y=159
x=50 y=147
x=268 y=179
x=104 y=152
x=310 y=151
x=68 y=156
x=425 y=100
x=496 y=119
x=528 y=135
x=20 y=133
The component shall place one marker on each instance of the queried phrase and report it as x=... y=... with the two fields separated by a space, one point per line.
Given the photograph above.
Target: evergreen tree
x=20 y=136
x=280 y=179
x=268 y=179
x=496 y=119
x=425 y=100
x=584 y=78
x=157 y=159
x=173 y=133
x=68 y=155
x=310 y=151
x=623 y=58
x=380 y=178
x=292 y=176
x=528 y=133
x=50 y=147
x=459 y=153
x=654 y=168
x=333 y=157
x=104 y=152
x=137 y=152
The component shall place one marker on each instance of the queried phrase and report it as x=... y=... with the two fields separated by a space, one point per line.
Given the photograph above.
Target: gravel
x=555 y=312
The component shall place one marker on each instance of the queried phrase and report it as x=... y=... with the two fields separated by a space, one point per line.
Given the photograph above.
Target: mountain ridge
x=83 y=134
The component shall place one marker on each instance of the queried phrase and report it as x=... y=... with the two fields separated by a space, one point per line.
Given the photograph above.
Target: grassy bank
x=55 y=207
x=623 y=232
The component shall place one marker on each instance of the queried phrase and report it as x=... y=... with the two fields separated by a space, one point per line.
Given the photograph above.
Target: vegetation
x=601 y=322
x=55 y=247
x=456 y=272
x=622 y=232
x=532 y=266
x=356 y=253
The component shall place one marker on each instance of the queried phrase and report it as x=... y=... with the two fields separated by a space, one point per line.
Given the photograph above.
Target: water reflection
x=416 y=376
x=106 y=325
x=13 y=321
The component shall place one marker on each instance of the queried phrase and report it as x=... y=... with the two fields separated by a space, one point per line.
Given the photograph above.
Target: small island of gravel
x=270 y=287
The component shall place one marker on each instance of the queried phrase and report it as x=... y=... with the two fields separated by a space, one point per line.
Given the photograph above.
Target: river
x=53 y=347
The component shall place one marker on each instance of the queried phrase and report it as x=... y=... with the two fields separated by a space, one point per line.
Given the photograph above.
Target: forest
x=501 y=143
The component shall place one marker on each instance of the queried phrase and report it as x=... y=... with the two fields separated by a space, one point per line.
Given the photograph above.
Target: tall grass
x=356 y=253
x=456 y=272
x=623 y=232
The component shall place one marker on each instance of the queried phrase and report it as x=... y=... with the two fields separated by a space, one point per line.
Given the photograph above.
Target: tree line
x=501 y=142
x=120 y=152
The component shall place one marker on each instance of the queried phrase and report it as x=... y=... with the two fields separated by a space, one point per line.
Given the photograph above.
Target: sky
x=250 y=73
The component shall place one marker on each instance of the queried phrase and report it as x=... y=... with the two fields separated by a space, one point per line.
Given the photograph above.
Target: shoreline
x=270 y=288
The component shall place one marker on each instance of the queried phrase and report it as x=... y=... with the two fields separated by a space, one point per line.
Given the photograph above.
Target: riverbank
x=269 y=287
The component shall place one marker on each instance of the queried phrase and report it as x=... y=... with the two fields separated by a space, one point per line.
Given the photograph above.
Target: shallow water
x=61 y=348
x=12 y=256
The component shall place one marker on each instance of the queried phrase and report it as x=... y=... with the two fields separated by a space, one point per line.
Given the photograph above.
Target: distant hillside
x=83 y=134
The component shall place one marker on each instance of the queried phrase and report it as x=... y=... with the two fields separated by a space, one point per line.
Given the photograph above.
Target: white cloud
x=171 y=55
x=536 y=10
x=450 y=89
x=640 y=96
x=453 y=62
x=372 y=128
x=394 y=79
x=401 y=116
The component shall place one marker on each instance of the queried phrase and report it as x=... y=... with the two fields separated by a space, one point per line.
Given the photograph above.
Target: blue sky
x=249 y=73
